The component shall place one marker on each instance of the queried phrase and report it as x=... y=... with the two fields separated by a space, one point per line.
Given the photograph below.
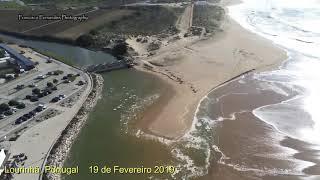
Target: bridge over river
x=109 y=66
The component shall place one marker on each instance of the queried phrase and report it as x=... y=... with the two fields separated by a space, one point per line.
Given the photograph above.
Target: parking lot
x=39 y=89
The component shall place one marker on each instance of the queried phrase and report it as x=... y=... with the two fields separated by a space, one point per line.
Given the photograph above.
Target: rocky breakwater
x=63 y=144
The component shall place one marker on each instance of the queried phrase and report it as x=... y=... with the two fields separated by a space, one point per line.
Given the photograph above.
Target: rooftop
x=22 y=61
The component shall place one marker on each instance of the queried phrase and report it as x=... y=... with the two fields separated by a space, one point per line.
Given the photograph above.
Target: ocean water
x=294 y=26
x=266 y=125
x=261 y=126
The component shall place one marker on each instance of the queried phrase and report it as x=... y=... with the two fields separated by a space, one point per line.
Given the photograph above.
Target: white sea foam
x=292 y=25
x=265 y=18
x=131 y=113
x=273 y=17
x=273 y=87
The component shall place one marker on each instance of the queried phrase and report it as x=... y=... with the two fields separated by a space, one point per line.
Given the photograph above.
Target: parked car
x=18 y=121
x=27 y=116
x=61 y=96
x=23 y=119
x=8 y=113
x=19 y=87
x=55 y=99
x=32 y=85
x=31 y=113
x=40 y=108
x=2 y=116
x=41 y=76
x=66 y=81
x=80 y=83
x=34 y=99
x=48 y=90
x=49 y=60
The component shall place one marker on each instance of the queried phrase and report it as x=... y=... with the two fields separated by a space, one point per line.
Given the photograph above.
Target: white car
x=41 y=76
x=42 y=106
x=33 y=85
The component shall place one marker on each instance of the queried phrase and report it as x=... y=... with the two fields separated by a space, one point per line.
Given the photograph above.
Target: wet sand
x=197 y=67
x=246 y=148
x=243 y=147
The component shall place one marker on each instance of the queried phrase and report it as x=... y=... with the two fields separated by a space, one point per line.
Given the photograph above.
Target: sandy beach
x=194 y=66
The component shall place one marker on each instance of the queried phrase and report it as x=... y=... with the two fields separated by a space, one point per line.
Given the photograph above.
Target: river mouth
x=260 y=126
x=112 y=134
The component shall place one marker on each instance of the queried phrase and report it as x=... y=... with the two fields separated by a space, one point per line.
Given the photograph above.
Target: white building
x=4 y=62
x=2 y=160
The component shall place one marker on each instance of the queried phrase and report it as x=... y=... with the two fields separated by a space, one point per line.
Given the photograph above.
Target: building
x=4 y=58
x=2 y=160
x=4 y=62
x=21 y=61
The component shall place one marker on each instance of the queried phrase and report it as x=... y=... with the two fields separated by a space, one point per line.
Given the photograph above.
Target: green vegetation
x=56 y=72
x=60 y=1
x=4 y=107
x=209 y=17
x=13 y=103
x=21 y=106
x=57 y=57
x=10 y=5
x=68 y=3
x=72 y=77
x=85 y=40
x=65 y=3
x=17 y=104
x=120 y=49
x=36 y=91
x=147 y=20
x=50 y=84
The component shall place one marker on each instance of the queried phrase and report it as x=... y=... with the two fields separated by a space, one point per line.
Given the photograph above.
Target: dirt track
x=185 y=21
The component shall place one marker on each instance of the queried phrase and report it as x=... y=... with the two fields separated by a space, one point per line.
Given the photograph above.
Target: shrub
x=13 y=103
x=36 y=91
x=85 y=40
x=21 y=106
x=4 y=107
x=49 y=84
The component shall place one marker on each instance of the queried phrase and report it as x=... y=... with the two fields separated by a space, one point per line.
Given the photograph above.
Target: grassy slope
x=146 y=21
x=10 y=5
x=208 y=17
